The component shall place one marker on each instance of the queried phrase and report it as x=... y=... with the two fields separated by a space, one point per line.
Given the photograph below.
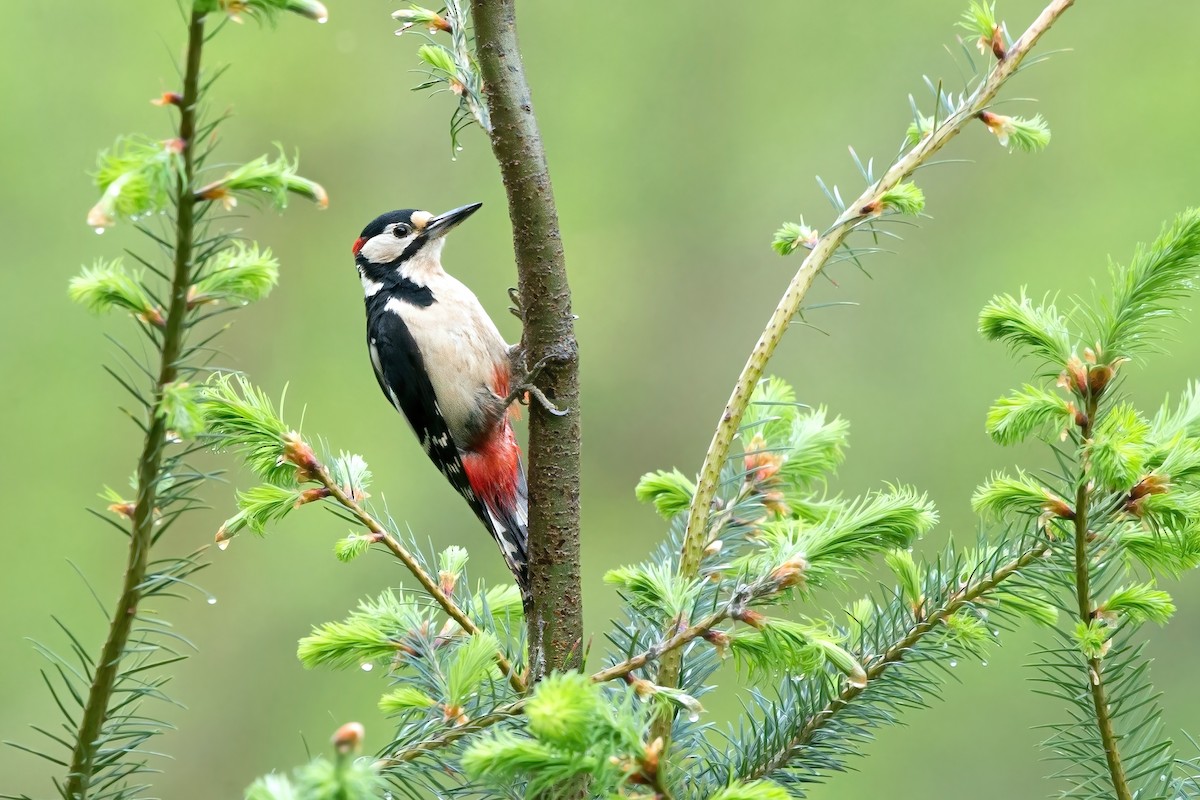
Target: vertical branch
x=95 y=711
x=789 y=305
x=554 y=614
x=1083 y=594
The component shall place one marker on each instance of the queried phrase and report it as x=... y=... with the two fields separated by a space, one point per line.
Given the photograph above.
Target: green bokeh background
x=679 y=135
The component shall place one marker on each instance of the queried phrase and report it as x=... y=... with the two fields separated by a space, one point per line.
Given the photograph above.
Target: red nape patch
x=358 y=243
x=493 y=468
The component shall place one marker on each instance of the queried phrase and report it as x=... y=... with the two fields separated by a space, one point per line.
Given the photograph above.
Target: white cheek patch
x=384 y=247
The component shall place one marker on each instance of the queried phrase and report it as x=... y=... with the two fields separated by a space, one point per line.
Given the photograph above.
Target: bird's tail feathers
x=509 y=525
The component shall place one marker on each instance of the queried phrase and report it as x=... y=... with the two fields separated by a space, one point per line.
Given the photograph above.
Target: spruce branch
x=825 y=248
x=554 y=616
x=243 y=417
x=876 y=667
x=84 y=758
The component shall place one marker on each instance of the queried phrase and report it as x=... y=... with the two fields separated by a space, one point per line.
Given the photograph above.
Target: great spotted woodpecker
x=441 y=362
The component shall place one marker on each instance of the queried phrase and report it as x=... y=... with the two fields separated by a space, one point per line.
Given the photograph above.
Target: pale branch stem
x=455 y=612
x=554 y=613
x=789 y=305
x=141 y=535
x=1083 y=594
x=877 y=666
x=451 y=735
x=677 y=641
x=513 y=709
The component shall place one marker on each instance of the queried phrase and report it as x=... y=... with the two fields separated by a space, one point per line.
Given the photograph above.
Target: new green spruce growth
x=346 y=777
x=888 y=193
x=1123 y=506
x=151 y=183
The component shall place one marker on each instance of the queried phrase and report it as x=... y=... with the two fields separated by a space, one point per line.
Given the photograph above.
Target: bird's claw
x=525 y=384
x=517 y=310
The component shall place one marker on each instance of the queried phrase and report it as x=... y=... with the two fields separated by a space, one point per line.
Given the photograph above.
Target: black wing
x=400 y=370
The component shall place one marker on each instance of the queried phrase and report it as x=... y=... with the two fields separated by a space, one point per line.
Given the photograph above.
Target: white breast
x=460 y=345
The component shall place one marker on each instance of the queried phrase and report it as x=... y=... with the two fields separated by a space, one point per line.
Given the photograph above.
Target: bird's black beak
x=444 y=223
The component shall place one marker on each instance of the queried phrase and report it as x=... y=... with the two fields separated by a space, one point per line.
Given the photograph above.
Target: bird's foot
x=517 y=310
x=523 y=386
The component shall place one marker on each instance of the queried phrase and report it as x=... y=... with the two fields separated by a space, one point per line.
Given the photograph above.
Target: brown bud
x=296 y=451
x=125 y=509
x=176 y=146
x=997 y=44
x=153 y=316
x=751 y=618
x=348 y=738
x=1099 y=378
x=447 y=581
x=713 y=547
x=312 y=495
x=1058 y=507
x=719 y=640
x=790 y=573
x=168 y=99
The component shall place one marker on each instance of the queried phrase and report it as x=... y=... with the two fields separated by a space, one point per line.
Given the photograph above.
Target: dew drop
x=454 y=158
x=458 y=148
x=99 y=231
x=983 y=663
x=322 y=20
x=212 y=601
x=367 y=666
x=694 y=717
x=953 y=663
x=223 y=544
x=995 y=631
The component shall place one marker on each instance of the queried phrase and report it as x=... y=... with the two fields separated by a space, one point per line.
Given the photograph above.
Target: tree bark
x=554 y=615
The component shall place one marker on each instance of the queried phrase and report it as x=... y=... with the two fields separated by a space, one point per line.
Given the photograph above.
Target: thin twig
x=877 y=666
x=323 y=476
x=825 y=248
x=88 y=739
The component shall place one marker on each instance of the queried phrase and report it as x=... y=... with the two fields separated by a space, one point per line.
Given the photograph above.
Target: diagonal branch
x=554 y=608
x=789 y=305
x=876 y=667
x=321 y=474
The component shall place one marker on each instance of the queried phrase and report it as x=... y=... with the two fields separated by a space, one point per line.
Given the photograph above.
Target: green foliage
x=404 y=699
x=242 y=273
x=107 y=285
x=262 y=179
x=180 y=408
x=1017 y=133
x=778 y=646
x=1146 y=293
x=1029 y=330
x=792 y=235
x=474 y=662
x=654 y=588
x=321 y=779
x=903 y=198
x=136 y=176
x=908 y=574
x=1004 y=495
x=979 y=19
x=560 y=713
x=1183 y=419
x=243 y=418
x=264 y=10
x=671 y=492
x=918 y=129
x=593 y=734
x=353 y=546
x=1118 y=450
x=258 y=507
x=1031 y=410
x=374 y=632
x=1139 y=603
x=1092 y=638
x=757 y=790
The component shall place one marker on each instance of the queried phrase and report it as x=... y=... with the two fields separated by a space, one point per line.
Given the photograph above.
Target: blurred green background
x=679 y=135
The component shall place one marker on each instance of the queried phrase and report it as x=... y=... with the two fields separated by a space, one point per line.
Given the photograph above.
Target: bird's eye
x=401 y=230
